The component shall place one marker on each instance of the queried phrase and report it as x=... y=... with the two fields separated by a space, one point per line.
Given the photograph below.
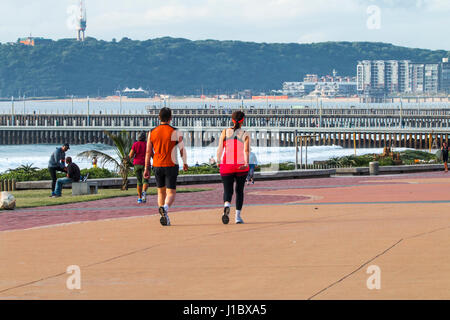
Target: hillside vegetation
x=180 y=66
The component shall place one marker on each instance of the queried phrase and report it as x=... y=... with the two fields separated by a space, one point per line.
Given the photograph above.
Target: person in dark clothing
x=57 y=163
x=444 y=149
x=73 y=175
x=137 y=153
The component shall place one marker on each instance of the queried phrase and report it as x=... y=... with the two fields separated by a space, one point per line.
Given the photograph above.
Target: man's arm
x=183 y=153
x=69 y=172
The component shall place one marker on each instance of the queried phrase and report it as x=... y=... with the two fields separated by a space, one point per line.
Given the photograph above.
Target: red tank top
x=233 y=156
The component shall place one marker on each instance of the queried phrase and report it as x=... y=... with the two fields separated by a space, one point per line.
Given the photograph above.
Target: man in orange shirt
x=162 y=144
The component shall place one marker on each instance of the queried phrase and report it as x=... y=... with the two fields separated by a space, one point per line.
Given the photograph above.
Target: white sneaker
x=239 y=220
x=144 y=197
x=164 y=220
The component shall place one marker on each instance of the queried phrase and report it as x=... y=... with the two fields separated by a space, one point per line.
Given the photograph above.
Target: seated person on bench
x=73 y=175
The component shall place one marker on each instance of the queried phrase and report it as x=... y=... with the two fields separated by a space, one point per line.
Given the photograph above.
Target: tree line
x=180 y=66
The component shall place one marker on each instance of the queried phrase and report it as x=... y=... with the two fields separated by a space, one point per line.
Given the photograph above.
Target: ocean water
x=12 y=156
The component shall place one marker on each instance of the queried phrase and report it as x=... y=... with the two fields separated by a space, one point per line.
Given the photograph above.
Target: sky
x=410 y=23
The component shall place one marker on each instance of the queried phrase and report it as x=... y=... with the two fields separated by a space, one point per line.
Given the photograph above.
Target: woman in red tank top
x=233 y=159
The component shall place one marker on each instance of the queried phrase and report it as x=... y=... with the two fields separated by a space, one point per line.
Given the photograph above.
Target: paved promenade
x=303 y=239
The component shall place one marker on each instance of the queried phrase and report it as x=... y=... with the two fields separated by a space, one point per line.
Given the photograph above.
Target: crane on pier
x=81 y=22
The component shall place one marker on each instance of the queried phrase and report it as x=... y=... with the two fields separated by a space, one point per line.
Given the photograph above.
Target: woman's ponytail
x=238 y=119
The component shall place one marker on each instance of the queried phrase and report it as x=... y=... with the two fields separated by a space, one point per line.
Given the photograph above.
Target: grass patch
x=40 y=198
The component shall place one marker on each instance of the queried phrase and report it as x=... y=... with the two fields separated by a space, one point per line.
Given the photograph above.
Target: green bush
x=202 y=169
x=98 y=173
x=416 y=154
x=386 y=162
x=37 y=175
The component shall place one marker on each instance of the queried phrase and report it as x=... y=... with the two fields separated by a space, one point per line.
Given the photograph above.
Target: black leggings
x=228 y=182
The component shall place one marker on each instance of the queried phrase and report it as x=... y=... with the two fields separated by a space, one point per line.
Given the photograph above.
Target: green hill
x=180 y=66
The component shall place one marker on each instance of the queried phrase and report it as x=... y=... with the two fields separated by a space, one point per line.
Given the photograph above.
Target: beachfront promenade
x=302 y=239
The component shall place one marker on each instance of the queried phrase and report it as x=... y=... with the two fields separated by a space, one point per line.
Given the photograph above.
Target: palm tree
x=122 y=146
x=25 y=168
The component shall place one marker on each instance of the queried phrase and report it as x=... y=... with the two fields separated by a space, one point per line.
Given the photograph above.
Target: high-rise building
x=375 y=78
x=431 y=77
x=363 y=75
x=371 y=77
x=403 y=75
x=392 y=76
x=445 y=76
x=416 y=77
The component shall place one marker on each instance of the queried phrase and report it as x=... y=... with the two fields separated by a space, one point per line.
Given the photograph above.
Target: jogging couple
x=232 y=154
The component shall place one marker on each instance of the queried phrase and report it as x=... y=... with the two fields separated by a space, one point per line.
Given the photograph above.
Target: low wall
x=271 y=175
x=390 y=169
x=189 y=179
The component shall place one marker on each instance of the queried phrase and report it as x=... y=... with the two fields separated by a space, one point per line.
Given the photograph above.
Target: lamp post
x=88 y=110
x=12 y=110
x=120 y=98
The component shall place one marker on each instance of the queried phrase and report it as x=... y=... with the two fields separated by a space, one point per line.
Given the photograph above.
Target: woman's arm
x=131 y=155
x=247 y=149
x=220 y=147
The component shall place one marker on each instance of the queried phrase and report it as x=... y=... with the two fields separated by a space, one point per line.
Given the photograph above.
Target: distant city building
x=379 y=77
x=32 y=41
x=431 y=77
x=298 y=89
x=416 y=80
x=325 y=86
x=391 y=69
x=445 y=76
x=246 y=94
x=403 y=75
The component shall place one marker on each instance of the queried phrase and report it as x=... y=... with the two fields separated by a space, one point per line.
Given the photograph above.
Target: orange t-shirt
x=164 y=139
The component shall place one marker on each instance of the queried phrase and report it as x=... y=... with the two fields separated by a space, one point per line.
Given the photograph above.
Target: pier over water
x=419 y=128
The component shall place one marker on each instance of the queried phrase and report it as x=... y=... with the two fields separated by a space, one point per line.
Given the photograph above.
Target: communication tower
x=81 y=22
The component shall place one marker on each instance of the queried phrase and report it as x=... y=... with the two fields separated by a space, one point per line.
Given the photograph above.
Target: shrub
x=98 y=173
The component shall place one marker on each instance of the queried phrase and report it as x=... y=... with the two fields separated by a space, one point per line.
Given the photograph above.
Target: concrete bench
x=84 y=188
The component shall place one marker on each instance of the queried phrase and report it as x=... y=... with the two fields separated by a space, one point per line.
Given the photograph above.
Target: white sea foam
x=15 y=155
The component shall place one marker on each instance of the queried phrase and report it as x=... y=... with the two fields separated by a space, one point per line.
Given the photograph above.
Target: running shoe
x=226 y=214
x=144 y=196
x=239 y=220
x=164 y=220
x=139 y=201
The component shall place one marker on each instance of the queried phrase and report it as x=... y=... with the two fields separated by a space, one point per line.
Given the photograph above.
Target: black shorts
x=166 y=177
